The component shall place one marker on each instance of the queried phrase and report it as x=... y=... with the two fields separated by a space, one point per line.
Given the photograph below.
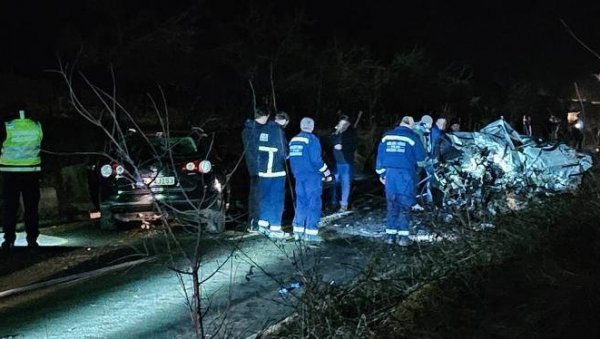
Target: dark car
x=151 y=177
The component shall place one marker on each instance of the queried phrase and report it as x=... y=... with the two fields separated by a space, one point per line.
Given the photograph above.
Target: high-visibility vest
x=21 y=149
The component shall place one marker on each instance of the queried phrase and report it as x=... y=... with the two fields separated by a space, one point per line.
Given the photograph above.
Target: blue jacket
x=400 y=148
x=305 y=155
x=266 y=149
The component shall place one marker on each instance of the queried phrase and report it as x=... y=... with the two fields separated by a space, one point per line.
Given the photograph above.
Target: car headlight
x=205 y=166
x=106 y=171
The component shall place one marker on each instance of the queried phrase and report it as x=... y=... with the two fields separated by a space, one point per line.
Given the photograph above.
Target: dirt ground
x=553 y=294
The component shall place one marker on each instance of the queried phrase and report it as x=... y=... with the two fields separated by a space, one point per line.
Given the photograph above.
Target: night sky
x=519 y=36
x=503 y=41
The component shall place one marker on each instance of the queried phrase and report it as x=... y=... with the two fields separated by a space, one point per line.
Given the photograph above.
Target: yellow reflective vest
x=21 y=149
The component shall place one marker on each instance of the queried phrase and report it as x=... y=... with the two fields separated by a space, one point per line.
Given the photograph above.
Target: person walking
x=399 y=155
x=309 y=170
x=20 y=165
x=344 y=143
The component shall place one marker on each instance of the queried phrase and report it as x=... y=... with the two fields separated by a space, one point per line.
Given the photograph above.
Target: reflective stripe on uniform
x=380 y=171
x=323 y=169
x=298 y=229
x=391 y=231
x=311 y=231
x=398 y=138
x=271 y=174
x=263 y=223
x=299 y=139
x=403 y=233
x=275 y=228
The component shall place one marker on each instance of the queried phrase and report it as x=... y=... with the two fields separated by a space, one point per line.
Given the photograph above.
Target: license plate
x=163 y=181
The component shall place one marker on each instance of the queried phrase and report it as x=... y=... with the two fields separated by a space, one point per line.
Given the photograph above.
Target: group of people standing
x=401 y=152
x=266 y=151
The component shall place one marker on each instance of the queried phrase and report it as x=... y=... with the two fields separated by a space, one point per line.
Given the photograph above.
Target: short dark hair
x=281 y=115
x=259 y=113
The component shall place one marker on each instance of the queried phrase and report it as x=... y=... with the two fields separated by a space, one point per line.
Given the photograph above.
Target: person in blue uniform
x=399 y=155
x=309 y=170
x=265 y=148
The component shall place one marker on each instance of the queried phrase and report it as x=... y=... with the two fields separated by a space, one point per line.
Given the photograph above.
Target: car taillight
x=106 y=171
x=203 y=166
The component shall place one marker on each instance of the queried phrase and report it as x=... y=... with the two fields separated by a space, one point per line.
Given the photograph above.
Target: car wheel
x=107 y=222
x=215 y=221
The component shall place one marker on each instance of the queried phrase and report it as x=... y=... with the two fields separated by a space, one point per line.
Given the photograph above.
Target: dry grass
x=504 y=282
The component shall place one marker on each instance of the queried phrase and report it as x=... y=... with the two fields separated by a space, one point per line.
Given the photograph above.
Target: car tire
x=107 y=222
x=215 y=221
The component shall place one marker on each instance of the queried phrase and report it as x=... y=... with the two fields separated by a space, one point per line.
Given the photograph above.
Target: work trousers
x=400 y=196
x=272 y=197
x=309 y=189
x=15 y=185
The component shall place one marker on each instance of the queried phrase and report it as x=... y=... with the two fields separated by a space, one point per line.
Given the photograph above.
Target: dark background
x=472 y=61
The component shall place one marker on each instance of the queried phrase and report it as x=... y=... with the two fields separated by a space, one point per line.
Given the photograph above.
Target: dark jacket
x=265 y=149
x=349 y=142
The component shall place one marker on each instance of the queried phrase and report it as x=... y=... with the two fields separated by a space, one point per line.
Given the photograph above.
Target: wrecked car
x=148 y=177
x=482 y=171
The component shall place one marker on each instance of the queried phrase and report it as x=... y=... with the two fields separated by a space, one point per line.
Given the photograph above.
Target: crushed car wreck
x=497 y=167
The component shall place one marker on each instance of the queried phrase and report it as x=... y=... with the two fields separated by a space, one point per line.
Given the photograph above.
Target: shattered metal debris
x=283 y=292
x=498 y=168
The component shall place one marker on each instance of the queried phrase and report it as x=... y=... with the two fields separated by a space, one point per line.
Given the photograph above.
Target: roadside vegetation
x=533 y=275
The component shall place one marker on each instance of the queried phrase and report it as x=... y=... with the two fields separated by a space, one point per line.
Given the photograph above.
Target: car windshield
x=159 y=147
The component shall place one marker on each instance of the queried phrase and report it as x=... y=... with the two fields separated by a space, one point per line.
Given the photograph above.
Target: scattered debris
x=497 y=168
x=284 y=291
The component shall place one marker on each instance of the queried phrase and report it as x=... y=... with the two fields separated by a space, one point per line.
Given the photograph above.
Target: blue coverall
x=400 y=152
x=266 y=151
x=308 y=169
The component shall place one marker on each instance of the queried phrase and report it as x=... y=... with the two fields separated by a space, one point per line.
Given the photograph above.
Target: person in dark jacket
x=343 y=142
x=309 y=170
x=265 y=148
x=20 y=165
x=436 y=133
x=399 y=154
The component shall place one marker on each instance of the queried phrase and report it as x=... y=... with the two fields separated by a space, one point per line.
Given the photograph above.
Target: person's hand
x=338 y=147
x=382 y=180
x=328 y=178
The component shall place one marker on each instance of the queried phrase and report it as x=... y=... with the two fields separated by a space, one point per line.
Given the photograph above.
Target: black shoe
x=390 y=239
x=33 y=245
x=7 y=245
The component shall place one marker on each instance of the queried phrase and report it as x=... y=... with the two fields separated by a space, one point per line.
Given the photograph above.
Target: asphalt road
x=149 y=301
